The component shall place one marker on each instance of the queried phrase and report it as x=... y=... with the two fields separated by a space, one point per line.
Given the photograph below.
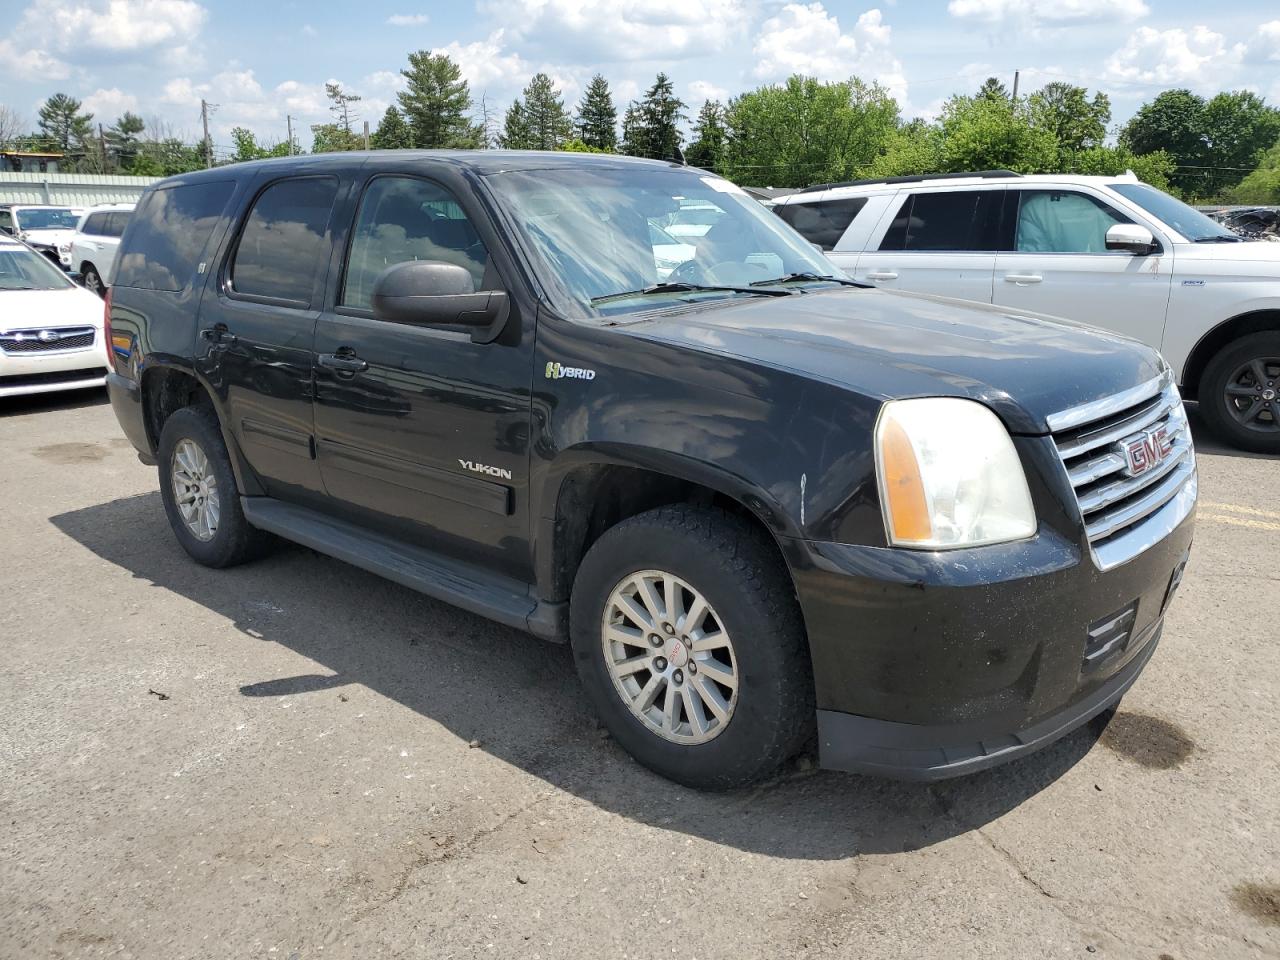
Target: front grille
x=46 y=340
x=1128 y=502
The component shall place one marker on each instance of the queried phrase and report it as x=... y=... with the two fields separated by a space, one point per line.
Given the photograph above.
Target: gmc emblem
x=1147 y=450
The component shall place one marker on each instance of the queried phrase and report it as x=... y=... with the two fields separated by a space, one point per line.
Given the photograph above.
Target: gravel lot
x=296 y=759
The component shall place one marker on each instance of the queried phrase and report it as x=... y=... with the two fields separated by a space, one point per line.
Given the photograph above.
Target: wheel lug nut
x=678 y=676
x=656 y=640
x=693 y=667
x=660 y=664
x=669 y=628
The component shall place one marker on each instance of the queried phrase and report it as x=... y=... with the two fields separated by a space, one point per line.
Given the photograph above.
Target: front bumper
x=931 y=665
x=46 y=372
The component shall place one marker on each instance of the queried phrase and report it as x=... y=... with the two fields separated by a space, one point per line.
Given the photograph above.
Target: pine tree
x=515 y=128
x=122 y=137
x=597 y=116
x=392 y=133
x=661 y=112
x=63 y=124
x=635 y=138
x=993 y=89
x=340 y=105
x=436 y=103
x=709 y=135
x=546 y=120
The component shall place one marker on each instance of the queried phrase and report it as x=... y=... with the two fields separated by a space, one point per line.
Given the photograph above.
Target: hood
x=42 y=309
x=895 y=345
x=1249 y=251
x=48 y=238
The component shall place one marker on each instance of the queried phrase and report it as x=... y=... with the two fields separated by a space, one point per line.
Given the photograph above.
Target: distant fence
x=71 y=189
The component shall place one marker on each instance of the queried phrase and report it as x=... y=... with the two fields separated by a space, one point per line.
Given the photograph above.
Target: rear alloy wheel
x=689 y=641
x=1240 y=393
x=92 y=282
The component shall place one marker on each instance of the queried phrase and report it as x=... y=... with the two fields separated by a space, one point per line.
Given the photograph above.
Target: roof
x=959 y=179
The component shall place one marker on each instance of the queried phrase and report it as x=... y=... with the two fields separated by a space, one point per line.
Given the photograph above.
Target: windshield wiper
x=682 y=287
x=794 y=277
x=1219 y=238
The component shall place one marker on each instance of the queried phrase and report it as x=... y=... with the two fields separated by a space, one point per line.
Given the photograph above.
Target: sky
x=262 y=61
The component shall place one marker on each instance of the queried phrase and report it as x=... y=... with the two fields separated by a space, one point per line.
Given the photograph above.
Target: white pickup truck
x=1108 y=251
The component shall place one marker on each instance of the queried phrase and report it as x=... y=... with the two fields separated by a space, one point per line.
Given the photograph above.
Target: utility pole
x=1015 y=86
x=366 y=134
x=289 y=120
x=208 y=146
x=102 y=146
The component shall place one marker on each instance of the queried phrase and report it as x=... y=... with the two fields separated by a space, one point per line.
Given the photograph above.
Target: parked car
x=47 y=229
x=93 y=247
x=50 y=329
x=758 y=499
x=691 y=219
x=668 y=252
x=1108 y=251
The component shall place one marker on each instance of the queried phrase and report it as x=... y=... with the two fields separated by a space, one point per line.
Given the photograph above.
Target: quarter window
x=94 y=225
x=116 y=222
x=279 y=247
x=1060 y=221
x=402 y=219
x=956 y=220
x=822 y=223
x=172 y=229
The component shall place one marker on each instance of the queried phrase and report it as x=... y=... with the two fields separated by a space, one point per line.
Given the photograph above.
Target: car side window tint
x=116 y=222
x=823 y=223
x=956 y=221
x=279 y=247
x=171 y=229
x=93 y=224
x=402 y=219
x=1061 y=221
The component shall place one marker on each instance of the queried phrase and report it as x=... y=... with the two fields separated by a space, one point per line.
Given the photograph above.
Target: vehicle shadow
x=49 y=402
x=519 y=698
x=1207 y=442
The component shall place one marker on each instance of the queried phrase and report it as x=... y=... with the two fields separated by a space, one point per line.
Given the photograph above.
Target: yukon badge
x=555 y=372
x=485 y=468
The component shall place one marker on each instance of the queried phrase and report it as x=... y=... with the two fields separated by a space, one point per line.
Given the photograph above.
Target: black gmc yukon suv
x=760 y=501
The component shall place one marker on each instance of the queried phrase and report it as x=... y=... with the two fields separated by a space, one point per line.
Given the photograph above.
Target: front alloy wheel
x=670 y=657
x=1253 y=394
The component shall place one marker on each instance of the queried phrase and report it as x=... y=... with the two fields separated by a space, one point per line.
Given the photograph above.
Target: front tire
x=92 y=280
x=199 y=491
x=1240 y=393
x=688 y=638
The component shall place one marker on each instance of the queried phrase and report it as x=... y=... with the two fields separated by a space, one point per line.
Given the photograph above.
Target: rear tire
x=732 y=608
x=92 y=281
x=1240 y=393
x=199 y=491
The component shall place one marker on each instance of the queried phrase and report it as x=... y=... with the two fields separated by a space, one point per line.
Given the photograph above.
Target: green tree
x=123 y=136
x=332 y=138
x=540 y=122
x=985 y=133
x=62 y=123
x=392 y=133
x=598 y=117
x=655 y=122
x=709 y=135
x=340 y=105
x=1238 y=128
x=1173 y=122
x=166 y=157
x=436 y=103
x=1263 y=185
x=1153 y=168
x=993 y=89
x=248 y=148
x=913 y=148
x=1066 y=111
x=579 y=146
x=804 y=131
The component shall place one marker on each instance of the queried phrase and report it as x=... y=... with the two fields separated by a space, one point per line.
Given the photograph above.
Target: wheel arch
x=1241 y=325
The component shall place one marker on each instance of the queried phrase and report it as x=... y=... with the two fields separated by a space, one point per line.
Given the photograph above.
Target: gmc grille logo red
x=1147 y=450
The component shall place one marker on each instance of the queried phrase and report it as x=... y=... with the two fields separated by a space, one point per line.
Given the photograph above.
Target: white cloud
x=31 y=62
x=107 y=105
x=622 y=30
x=407 y=19
x=1198 y=58
x=309 y=31
x=1265 y=45
x=118 y=26
x=1037 y=14
x=700 y=91
x=806 y=39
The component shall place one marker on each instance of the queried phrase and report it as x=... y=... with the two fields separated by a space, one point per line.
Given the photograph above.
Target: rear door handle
x=1022 y=278
x=218 y=333
x=345 y=362
x=882 y=275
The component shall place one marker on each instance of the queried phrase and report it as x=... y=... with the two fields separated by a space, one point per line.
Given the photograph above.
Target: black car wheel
x=92 y=281
x=689 y=640
x=1240 y=393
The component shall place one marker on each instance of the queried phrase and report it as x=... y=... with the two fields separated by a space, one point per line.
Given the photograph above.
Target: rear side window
x=116 y=222
x=171 y=228
x=959 y=221
x=280 y=245
x=95 y=225
x=822 y=223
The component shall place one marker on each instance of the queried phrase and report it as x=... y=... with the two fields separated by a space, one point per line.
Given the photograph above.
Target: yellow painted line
x=1237 y=508
x=1238 y=521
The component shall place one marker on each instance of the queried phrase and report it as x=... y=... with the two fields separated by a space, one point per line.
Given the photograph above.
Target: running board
x=463 y=585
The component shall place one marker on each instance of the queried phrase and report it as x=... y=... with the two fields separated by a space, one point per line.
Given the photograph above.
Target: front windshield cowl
x=610 y=238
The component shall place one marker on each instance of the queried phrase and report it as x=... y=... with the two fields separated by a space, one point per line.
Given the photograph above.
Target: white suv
x=1107 y=251
x=94 y=246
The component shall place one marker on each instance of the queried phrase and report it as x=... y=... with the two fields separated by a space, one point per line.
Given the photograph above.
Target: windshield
x=1191 y=223
x=606 y=231
x=46 y=218
x=23 y=269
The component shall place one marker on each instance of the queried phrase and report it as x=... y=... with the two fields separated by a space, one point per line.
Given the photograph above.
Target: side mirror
x=1131 y=237
x=433 y=293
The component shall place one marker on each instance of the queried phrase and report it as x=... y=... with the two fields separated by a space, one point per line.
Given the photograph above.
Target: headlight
x=949 y=476
x=64 y=246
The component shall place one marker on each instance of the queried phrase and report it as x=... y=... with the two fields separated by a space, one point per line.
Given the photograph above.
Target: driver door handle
x=1022 y=278
x=344 y=361
x=218 y=333
x=882 y=275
